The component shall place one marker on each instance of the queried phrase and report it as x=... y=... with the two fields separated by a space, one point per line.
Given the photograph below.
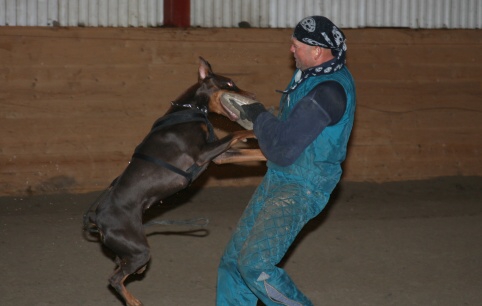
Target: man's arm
x=282 y=142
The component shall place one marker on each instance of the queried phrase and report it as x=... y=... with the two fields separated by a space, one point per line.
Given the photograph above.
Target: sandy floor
x=411 y=243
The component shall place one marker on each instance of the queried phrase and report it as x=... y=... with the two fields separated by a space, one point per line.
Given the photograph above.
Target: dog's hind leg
x=132 y=257
x=117 y=281
x=136 y=264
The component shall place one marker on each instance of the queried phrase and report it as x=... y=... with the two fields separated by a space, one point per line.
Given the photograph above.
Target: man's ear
x=204 y=69
x=326 y=54
x=317 y=52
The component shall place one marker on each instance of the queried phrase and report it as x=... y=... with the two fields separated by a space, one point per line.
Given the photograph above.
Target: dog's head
x=214 y=85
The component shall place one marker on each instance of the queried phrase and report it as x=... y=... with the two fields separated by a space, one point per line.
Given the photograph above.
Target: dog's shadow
x=195 y=227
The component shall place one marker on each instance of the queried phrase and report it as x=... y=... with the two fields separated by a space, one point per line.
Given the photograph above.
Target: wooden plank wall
x=76 y=101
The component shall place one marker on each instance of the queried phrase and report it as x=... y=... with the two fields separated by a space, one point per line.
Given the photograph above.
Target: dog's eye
x=230 y=84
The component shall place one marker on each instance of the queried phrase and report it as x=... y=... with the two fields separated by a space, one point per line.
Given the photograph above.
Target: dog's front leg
x=213 y=149
x=233 y=156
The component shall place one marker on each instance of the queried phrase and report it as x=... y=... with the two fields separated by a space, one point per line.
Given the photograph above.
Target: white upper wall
x=453 y=14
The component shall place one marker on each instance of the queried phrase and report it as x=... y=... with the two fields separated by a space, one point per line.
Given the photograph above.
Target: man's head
x=316 y=40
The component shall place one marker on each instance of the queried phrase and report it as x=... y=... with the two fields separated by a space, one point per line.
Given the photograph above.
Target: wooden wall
x=76 y=101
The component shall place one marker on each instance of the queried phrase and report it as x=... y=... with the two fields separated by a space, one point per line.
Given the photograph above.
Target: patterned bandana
x=320 y=31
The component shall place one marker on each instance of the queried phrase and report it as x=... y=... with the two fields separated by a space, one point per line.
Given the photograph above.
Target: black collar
x=201 y=108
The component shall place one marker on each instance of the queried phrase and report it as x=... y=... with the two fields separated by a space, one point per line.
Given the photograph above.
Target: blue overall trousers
x=287 y=198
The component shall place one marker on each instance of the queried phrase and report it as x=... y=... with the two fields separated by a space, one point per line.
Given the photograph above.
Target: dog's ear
x=204 y=69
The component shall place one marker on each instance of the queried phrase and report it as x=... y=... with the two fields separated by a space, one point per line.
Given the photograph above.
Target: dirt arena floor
x=407 y=243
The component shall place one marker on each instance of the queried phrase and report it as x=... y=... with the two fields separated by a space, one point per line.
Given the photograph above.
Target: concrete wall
x=76 y=101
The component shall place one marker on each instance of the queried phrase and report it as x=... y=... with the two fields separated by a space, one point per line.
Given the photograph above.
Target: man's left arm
x=282 y=142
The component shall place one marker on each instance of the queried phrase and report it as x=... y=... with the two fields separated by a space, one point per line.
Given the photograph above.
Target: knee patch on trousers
x=274 y=294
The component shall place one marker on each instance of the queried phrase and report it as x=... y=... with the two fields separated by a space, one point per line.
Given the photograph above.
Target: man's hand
x=252 y=111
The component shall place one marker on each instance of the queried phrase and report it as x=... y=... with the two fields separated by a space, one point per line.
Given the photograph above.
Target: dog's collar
x=184 y=116
x=202 y=108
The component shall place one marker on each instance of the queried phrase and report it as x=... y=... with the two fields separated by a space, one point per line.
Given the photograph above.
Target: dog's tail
x=89 y=222
x=90 y=215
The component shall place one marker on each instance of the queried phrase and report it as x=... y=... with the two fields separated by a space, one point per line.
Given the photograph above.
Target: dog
x=176 y=151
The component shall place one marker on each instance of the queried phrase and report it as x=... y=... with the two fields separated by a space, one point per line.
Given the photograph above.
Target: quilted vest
x=320 y=163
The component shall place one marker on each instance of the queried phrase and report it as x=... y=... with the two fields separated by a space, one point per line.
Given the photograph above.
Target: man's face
x=303 y=54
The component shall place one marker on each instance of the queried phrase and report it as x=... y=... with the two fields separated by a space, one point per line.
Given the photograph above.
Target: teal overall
x=284 y=202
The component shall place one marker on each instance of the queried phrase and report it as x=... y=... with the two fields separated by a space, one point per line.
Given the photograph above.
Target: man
x=305 y=147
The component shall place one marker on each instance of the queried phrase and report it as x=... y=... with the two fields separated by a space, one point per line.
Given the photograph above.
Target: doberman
x=177 y=150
